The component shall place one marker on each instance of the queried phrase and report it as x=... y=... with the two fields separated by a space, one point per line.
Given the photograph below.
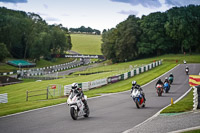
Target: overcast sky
x=97 y=14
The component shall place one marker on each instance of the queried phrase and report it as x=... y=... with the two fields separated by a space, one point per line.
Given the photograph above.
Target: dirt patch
x=5 y=80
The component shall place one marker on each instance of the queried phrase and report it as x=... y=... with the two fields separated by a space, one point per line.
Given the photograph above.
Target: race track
x=113 y=113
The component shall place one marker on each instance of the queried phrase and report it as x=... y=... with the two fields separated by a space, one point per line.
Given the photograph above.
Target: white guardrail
x=4 y=98
x=101 y=82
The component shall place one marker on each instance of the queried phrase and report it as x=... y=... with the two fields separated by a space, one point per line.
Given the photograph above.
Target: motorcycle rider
x=136 y=86
x=166 y=80
x=160 y=82
x=171 y=75
x=187 y=69
x=80 y=94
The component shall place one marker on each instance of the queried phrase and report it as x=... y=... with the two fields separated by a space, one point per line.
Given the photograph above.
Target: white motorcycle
x=77 y=107
x=138 y=98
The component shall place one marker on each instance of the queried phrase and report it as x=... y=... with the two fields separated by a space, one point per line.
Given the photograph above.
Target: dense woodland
x=83 y=29
x=28 y=36
x=175 y=31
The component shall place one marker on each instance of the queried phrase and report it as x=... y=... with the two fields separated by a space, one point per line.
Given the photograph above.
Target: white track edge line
x=187 y=129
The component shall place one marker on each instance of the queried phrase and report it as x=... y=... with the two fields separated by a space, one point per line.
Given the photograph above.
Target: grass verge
x=185 y=104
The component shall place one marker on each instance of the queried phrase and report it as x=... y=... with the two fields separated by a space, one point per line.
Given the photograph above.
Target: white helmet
x=134 y=82
x=74 y=86
x=166 y=78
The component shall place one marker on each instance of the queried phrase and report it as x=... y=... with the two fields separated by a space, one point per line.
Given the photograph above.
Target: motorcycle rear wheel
x=143 y=105
x=159 y=93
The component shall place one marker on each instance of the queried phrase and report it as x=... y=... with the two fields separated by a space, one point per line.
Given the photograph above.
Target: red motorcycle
x=159 y=89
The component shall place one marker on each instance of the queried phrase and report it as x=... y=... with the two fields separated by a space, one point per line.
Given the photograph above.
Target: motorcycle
x=171 y=79
x=159 y=89
x=77 y=107
x=138 y=98
x=186 y=71
x=166 y=87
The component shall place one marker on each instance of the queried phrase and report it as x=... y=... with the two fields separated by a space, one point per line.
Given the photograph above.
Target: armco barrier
x=100 y=82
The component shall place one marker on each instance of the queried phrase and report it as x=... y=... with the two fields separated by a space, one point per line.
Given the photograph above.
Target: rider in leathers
x=160 y=82
x=80 y=93
x=136 y=86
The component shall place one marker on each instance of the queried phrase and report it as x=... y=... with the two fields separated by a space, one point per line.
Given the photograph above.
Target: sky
x=97 y=14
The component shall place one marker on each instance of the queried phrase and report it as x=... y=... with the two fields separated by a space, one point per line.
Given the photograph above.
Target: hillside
x=86 y=44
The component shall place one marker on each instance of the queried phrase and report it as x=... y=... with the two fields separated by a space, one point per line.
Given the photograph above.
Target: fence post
x=47 y=92
x=26 y=95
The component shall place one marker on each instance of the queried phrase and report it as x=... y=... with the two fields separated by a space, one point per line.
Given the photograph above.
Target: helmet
x=171 y=73
x=166 y=78
x=134 y=83
x=74 y=86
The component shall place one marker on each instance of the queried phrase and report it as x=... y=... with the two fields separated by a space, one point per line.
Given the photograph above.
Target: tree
x=4 y=52
x=120 y=44
x=127 y=38
x=154 y=40
x=27 y=35
x=108 y=45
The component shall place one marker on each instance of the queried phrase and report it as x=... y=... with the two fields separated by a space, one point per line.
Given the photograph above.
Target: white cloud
x=130 y=12
x=182 y=2
x=145 y=3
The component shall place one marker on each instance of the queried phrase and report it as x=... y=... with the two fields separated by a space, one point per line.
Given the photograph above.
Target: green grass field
x=86 y=44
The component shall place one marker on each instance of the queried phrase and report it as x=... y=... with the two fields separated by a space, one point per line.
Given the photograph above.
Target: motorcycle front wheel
x=74 y=113
x=137 y=103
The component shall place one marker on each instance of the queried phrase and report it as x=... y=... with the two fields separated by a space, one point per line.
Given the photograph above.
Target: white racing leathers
x=77 y=107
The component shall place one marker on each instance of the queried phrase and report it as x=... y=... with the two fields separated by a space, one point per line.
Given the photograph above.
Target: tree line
x=83 y=29
x=28 y=36
x=175 y=31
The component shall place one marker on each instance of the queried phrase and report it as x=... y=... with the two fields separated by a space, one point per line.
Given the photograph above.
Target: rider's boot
x=86 y=105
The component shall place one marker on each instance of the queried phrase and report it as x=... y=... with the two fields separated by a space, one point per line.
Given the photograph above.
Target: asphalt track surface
x=113 y=113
